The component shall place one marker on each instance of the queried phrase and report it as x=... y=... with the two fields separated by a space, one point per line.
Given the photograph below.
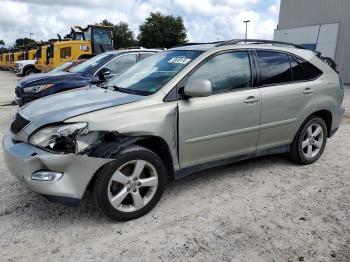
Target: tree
x=162 y=31
x=2 y=42
x=122 y=35
x=24 y=41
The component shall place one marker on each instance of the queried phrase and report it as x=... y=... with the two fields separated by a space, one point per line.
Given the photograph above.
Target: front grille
x=18 y=124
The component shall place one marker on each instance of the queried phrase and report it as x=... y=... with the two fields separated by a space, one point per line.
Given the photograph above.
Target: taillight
x=337 y=68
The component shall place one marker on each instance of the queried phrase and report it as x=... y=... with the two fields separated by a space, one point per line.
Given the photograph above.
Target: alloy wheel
x=312 y=141
x=132 y=185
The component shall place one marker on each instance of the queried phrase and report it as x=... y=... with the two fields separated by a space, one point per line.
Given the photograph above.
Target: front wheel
x=130 y=186
x=310 y=141
x=30 y=71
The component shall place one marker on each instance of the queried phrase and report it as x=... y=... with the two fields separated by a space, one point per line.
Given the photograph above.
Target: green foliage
x=24 y=41
x=2 y=42
x=162 y=31
x=122 y=35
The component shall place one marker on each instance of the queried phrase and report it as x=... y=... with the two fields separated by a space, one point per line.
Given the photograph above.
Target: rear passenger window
x=226 y=72
x=275 y=68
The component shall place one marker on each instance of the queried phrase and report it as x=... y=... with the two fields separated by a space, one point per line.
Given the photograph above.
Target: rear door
x=287 y=98
x=225 y=124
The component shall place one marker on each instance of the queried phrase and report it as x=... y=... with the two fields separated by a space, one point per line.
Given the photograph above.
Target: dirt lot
x=265 y=209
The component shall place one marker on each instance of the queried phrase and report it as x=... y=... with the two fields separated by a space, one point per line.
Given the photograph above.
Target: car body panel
x=53 y=109
x=23 y=160
x=219 y=126
x=153 y=115
x=283 y=108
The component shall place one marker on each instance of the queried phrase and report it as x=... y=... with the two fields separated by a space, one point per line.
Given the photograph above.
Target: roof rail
x=208 y=43
x=258 y=41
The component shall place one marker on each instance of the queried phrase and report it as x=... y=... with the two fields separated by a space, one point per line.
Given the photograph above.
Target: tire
x=108 y=192
x=304 y=140
x=30 y=71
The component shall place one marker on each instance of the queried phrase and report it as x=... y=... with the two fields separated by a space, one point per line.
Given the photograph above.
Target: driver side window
x=121 y=63
x=226 y=72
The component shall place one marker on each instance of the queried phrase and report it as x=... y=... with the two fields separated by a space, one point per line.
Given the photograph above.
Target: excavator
x=81 y=43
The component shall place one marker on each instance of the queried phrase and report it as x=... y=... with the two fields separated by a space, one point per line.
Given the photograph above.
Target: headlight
x=60 y=138
x=20 y=66
x=37 y=89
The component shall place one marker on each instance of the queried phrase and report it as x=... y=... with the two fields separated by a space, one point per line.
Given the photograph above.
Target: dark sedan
x=95 y=70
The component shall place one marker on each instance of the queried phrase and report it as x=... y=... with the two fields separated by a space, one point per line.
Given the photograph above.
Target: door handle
x=251 y=100
x=308 y=90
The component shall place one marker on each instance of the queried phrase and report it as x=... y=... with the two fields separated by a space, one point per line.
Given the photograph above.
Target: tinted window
x=298 y=70
x=275 y=68
x=311 y=71
x=226 y=72
x=122 y=63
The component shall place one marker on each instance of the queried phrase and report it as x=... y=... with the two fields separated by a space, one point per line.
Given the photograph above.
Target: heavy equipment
x=81 y=43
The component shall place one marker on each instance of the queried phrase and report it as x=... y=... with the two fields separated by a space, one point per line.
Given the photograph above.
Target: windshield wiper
x=120 y=89
x=131 y=91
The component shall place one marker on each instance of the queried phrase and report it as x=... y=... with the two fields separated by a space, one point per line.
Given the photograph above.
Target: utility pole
x=246 y=28
x=30 y=36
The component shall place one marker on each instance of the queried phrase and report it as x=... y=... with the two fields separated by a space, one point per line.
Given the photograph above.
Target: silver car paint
x=58 y=107
x=202 y=141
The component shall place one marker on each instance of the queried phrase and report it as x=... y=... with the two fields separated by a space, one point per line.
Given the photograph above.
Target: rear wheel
x=310 y=141
x=130 y=186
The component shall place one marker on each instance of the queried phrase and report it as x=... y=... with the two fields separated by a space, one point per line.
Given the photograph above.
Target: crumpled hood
x=59 y=107
x=45 y=78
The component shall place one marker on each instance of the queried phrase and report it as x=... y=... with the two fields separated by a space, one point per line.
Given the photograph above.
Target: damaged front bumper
x=23 y=160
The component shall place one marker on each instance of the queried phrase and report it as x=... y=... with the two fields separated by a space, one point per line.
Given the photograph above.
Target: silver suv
x=175 y=113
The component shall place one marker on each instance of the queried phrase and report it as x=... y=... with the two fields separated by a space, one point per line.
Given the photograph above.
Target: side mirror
x=198 y=88
x=103 y=72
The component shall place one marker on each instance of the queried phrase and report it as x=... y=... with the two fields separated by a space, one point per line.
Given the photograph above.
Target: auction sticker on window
x=179 y=60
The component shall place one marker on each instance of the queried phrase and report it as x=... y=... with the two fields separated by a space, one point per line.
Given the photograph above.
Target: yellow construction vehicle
x=79 y=44
x=3 y=55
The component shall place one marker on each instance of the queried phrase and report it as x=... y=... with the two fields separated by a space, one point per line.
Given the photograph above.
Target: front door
x=225 y=124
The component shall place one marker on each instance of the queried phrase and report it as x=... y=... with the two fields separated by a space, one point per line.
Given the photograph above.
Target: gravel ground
x=266 y=209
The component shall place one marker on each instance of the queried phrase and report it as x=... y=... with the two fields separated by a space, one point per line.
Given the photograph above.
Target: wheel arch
x=116 y=143
x=326 y=116
x=27 y=67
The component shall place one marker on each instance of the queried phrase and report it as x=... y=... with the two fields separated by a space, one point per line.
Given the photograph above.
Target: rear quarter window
x=311 y=71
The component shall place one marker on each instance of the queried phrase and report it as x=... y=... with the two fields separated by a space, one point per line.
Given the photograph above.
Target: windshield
x=91 y=63
x=102 y=36
x=151 y=74
x=61 y=67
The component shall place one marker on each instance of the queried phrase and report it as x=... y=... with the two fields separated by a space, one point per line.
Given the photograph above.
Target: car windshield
x=91 y=63
x=61 y=67
x=151 y=74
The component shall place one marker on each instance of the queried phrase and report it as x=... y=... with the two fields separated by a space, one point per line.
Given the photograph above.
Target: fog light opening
x=47 y=176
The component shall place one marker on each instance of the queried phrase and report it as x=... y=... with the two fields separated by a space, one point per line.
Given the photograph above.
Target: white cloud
x=205 y=20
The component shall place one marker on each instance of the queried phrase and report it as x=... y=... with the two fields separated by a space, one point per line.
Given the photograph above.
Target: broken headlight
x=61 y=138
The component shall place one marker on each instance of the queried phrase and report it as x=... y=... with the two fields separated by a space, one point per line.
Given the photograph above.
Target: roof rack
x=208 y=43
x=258 y=41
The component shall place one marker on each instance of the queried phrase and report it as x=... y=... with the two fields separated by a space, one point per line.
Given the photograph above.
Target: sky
x=205 y=20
